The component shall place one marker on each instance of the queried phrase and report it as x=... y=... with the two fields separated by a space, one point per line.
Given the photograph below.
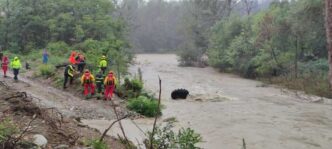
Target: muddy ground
x=57 y=113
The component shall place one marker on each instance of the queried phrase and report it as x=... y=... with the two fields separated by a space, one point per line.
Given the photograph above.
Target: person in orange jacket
x=87 y=80
x=109 y=82
x=72 y=58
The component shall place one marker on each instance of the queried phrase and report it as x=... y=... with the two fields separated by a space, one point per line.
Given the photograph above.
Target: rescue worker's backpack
x=87 y=78
x=110 y=80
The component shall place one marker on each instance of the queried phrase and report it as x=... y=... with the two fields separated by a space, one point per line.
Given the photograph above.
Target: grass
x=46 y=70
x=7 y=129
x=144 y=105
x=95 y=144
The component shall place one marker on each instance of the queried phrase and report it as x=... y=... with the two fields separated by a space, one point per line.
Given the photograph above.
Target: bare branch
x=156 y=117
x=109 y=127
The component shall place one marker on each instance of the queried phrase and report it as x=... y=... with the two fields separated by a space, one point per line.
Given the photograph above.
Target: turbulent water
x=225 y=108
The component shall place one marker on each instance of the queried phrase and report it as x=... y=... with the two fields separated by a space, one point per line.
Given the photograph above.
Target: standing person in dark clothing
x=80 y=61
x=68 y=74
x=99 y=82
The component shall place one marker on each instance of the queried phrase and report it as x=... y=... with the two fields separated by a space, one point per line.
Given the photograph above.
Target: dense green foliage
x=165 y=138
x=285 y=42
x=271 y=42
x=32 y=24
x=144 y=105
x=89 y=27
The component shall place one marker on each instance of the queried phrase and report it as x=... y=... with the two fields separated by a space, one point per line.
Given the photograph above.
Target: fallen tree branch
x=156 y=117
x=118 y=119
x=34 y=117
x=18 y=94
x=109 y=127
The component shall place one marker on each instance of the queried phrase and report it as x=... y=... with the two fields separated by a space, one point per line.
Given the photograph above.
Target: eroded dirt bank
x=30 y=119
x=225 y=108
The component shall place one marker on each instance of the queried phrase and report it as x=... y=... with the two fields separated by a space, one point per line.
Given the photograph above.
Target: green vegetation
x=46 y=70
x=88 y=27
x=7 y=129
x=284 y=43
x=96 y=144
x=166 y=138
x=130 y=88
x=144 y=105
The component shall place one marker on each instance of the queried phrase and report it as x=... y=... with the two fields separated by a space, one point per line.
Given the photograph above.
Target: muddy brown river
x=225 y=108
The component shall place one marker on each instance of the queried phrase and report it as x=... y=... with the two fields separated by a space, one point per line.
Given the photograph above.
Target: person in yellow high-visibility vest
x=68 y=74
x=16 y=66
x=103 y=64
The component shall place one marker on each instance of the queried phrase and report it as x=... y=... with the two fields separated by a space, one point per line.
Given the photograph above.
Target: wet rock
x=40 y=140
x=62 y=146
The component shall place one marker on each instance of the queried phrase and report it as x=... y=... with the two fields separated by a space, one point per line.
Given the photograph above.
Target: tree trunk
x=328 y=24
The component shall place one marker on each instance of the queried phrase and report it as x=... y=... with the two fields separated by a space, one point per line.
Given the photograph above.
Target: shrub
x=7 y=129
x=165 y=138
x=130 y=88
x=96 y=144
x=134 y=84
x=46 y=70
x=187 y=138
x=145 y=106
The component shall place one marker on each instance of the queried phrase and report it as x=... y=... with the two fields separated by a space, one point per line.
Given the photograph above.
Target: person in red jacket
x=72 y=58
x=4 y=64
x=109 y=83
x=88 y=81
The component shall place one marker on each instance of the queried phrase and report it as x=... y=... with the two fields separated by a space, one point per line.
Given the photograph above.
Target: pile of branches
x=21 y=102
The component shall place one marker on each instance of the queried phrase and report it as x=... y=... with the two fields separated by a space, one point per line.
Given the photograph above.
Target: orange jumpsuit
x=87 y=81
x=109 y=83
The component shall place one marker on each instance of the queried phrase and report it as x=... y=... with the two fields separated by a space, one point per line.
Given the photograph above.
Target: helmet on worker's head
x=15 y=58
x=103 y=57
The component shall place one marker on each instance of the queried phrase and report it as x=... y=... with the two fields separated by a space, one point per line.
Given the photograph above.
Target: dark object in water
x=180 y=94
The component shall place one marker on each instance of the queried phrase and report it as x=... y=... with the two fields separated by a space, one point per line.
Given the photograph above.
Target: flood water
x=225 y=108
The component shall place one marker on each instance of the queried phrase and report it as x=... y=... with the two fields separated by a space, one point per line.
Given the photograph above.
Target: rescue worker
x=68 y=74
x=80 y=61
x=72 y=58
x=99 y=82
x=4 y=65
x=16 y=66
x=109 y=83
x=103 y=64
x=87 y=80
